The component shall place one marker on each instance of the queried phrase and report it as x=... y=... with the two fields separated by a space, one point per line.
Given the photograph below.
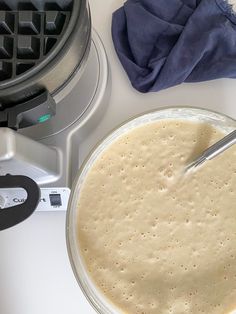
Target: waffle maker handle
x=36 y=110
x=11 y=216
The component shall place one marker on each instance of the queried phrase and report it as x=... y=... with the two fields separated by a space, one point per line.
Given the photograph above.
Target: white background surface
x=35 y=275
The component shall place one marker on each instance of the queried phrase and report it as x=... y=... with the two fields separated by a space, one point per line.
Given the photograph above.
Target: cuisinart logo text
x=22 y=200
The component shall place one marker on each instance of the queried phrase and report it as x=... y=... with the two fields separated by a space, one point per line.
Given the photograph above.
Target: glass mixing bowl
x=92 y=293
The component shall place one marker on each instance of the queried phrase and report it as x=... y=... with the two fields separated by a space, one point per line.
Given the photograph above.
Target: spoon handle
x=213 y=151
x=220 y=146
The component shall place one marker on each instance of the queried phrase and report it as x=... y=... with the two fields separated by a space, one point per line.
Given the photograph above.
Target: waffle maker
x=54 y=88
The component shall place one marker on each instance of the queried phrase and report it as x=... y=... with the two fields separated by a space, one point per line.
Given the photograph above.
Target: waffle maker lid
x=41 y=44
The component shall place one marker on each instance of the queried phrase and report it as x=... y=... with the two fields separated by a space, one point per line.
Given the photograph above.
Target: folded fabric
x=162 y=43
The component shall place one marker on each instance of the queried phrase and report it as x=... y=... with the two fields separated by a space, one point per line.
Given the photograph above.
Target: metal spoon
x=213 y=151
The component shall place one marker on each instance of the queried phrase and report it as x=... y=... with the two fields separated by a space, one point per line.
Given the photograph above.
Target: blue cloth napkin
x=162 y=43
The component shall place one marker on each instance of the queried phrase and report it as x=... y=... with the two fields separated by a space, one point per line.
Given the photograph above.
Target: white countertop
x=35 y=274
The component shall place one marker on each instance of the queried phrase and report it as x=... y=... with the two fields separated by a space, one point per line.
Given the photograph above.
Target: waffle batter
x=152 y=241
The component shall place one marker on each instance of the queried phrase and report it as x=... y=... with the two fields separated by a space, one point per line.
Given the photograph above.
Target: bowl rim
x=94 y=301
